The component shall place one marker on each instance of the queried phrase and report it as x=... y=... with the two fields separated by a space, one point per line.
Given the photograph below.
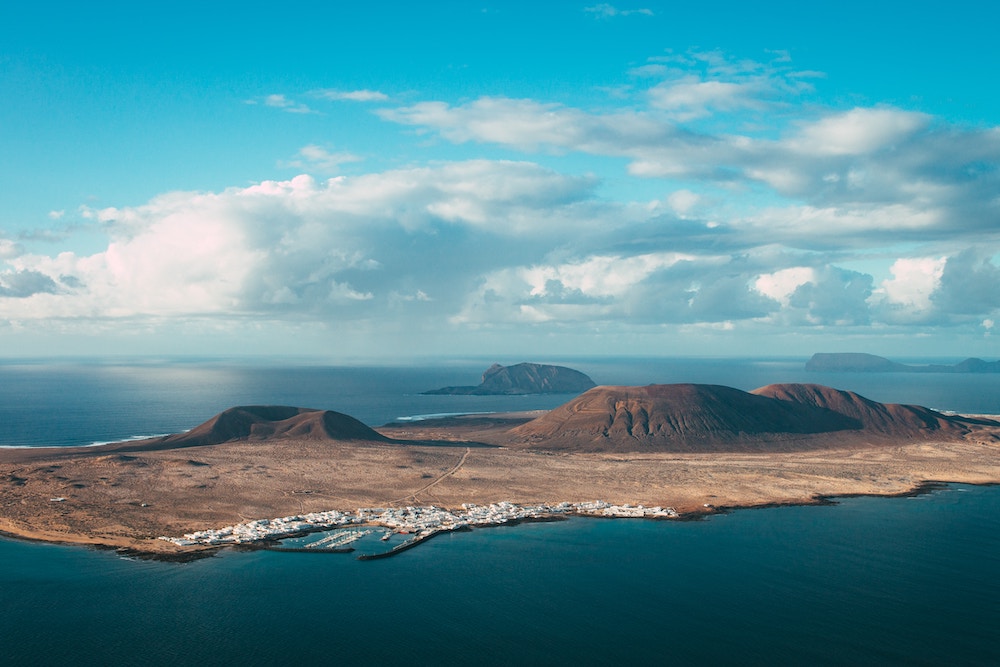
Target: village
x=421 y=522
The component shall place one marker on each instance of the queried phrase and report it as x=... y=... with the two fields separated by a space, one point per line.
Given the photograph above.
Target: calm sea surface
x=868 y=581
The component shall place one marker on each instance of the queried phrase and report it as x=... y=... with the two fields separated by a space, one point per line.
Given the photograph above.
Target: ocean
x=909 y=581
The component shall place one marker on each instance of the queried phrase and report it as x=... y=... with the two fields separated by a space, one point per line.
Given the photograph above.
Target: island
x=859 y=362
x=253 y=475
x=524 y=378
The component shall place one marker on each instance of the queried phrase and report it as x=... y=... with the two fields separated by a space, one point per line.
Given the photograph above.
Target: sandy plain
x=124 y=496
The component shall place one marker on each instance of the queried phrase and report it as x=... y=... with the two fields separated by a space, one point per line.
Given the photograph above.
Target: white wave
x=131 y=438
x=439 y=415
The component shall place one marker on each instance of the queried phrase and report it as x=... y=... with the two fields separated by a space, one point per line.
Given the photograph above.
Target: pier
x=338 y=538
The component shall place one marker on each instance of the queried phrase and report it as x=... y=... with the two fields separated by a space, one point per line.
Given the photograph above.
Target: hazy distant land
x=870 y=363
x=693 y=448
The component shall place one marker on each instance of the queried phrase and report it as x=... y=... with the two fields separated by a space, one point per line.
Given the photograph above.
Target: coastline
x=151 y=549
x=126 y=496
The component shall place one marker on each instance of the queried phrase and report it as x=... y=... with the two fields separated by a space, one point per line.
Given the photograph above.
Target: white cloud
x=857 y=132
x=762 y=205
x=605 y=10
x=279 y=101
x=299 y=248
x=599 y=276
x=364 y=95
x=968 y=285
x=9 y=249
x=720 y=121
x=319 y=159
x=531 y=125
x=812 y=227
x=651 y=288
x=913 y=281
x=691 y=98
x=683 y=201
x=780 y=285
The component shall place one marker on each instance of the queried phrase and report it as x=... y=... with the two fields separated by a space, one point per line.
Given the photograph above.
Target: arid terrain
x=269 y=462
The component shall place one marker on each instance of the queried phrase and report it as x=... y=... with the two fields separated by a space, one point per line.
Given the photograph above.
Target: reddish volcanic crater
x=698 y=417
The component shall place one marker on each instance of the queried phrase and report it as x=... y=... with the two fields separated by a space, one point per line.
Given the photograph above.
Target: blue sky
x=528 y=179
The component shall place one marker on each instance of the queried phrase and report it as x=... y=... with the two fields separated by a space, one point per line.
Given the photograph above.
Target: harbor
x=384 y=532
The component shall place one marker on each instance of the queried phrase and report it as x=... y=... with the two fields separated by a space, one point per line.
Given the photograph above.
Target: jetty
x=423 y=522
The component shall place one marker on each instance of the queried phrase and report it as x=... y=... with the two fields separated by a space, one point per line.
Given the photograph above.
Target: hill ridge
x=260 y=422
x=701 y=417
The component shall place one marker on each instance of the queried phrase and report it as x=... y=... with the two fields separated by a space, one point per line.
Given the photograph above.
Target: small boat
x=387 y=535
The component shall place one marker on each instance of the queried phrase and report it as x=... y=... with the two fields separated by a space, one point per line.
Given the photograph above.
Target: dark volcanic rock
x=525 y=378
x=260 y=422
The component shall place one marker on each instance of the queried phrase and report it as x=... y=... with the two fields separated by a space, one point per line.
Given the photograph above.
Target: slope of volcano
x=681 y=417
x=692 y=417
x=260 y=422
x=889 y=419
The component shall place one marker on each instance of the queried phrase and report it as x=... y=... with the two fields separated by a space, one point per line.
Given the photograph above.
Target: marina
x=406 y=527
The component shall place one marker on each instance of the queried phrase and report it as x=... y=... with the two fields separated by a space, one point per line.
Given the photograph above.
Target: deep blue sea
x=868 y=581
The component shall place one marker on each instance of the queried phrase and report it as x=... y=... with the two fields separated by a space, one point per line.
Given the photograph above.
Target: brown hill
x=259 y=422
x=890 y=419
x=676 y=417
x=692 y=417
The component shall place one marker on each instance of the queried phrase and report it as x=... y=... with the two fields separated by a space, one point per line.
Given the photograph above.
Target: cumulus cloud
x=857 y=132
x=477 y=244
x=301 y=248
x=756 y=213
x=874 y=169
x=969 y=285
x=833 y=297
x=782 y=284
x=913 y=281
x=642 y=289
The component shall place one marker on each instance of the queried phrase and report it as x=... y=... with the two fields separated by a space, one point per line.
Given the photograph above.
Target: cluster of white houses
x=418 y=520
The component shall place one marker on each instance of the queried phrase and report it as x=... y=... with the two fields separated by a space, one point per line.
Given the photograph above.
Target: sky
x=404 y=180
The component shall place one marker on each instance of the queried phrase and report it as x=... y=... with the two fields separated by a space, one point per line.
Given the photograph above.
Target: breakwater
x=428 y=520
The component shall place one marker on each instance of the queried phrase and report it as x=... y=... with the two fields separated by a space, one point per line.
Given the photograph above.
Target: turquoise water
x=868 y=581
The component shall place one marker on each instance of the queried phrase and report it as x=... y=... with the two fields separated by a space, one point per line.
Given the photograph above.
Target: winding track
x=447 y=473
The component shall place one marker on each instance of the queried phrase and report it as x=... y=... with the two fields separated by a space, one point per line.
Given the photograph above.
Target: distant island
x=256 y=474
x=859 y=362
x=523 y=378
